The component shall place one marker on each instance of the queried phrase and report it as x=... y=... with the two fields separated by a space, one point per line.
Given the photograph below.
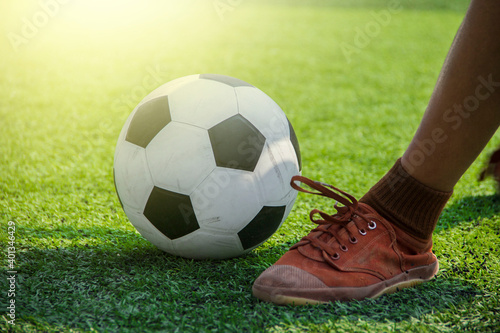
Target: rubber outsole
x=408 y=279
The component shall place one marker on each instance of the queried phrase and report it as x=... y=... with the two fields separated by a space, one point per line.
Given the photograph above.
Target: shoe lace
x=332 y=224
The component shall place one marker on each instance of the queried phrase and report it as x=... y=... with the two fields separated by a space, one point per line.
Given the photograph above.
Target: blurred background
x=82 y=66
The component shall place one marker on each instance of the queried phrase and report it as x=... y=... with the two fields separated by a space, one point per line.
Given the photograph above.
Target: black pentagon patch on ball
x=171 y=213
x=230 y=81
x=149 y=119
x=236 y=143
x=295 y=143
x=263 y=225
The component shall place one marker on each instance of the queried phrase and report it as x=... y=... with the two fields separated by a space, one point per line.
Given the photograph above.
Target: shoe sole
x=406 y=279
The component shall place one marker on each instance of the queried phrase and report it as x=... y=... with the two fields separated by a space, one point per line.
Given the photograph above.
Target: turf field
x=353 y=77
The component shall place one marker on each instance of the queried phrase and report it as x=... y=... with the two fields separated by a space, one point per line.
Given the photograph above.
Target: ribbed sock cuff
x=407 y=203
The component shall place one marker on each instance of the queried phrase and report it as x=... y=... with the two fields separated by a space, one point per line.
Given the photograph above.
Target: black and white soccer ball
x=203 y=165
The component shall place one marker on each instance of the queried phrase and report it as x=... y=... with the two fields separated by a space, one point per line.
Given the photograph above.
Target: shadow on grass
x=108 y=279
x=108 y=286
x=469 y=209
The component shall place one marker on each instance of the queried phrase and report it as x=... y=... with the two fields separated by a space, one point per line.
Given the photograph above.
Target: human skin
x=464 y=109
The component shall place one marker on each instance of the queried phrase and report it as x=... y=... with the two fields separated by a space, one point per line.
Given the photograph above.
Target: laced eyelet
x=353 y=240
x=335 y=256
x=362 y=232
x=344 y=248
x=372 y=225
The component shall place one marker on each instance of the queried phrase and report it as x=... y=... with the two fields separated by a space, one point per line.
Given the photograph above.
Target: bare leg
x=464 y=109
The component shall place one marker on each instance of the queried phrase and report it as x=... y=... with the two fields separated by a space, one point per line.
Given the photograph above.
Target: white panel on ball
x=180 y=157
x=262 y=112
x=123 y=133
x=132 y=177
x=290 y=198
x=169 y=88
x=226 y=200
x=203 y=103
x=275 y=168
x=215 y=245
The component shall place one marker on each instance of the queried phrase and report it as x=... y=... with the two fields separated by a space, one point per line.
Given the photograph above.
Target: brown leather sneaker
x=352 y=255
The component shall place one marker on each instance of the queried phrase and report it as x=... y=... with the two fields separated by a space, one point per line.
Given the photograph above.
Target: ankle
x=405 y=202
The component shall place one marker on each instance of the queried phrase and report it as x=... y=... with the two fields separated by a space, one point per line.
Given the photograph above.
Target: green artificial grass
x=66 y=91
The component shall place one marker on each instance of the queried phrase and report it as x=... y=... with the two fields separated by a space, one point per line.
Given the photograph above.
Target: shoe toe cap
x=284 y=284
x=287 y=277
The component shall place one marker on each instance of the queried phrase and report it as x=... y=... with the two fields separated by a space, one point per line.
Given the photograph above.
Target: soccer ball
x=203 y=165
